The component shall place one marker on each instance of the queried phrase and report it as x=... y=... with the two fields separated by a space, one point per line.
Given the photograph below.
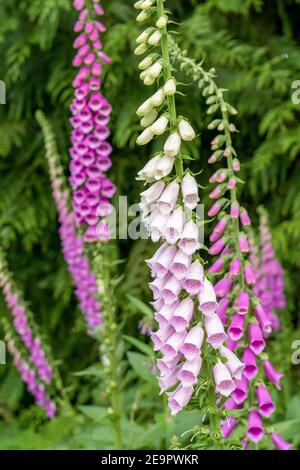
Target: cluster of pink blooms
x=35 y=371
x=78 y=264
x=90 y=150
x=180 y=290
x=29 y=377
x=247 y=323
x=269 y=286
x=23 y=327
x=73 y=246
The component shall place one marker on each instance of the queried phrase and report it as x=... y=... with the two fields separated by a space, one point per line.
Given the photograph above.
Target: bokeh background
x=254 y=46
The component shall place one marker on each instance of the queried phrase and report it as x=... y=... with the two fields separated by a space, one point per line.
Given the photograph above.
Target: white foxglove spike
x=172 y=145
x=170 y=87
x=145 y=137
x=160 y=125
x=186 y=131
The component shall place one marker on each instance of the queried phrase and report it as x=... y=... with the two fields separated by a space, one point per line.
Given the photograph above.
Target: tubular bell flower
x=179 y=283
x=90 y=116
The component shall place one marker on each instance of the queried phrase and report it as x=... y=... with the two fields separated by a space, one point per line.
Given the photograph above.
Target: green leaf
x=140 y=306
x=140 y=365
x=96 y=413
x=95 y=371
x=144 y=348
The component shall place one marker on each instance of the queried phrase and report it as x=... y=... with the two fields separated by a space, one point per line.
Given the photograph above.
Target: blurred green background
x=254 y=45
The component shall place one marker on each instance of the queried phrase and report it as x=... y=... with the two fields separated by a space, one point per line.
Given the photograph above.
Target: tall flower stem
x=191 y=67
x=212 y=412
x=167 y=73
x=109 y=336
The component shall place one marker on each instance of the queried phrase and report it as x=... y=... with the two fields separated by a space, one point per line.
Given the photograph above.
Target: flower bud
x=147 y=173
x=149 y=119
x=186 y=131
x=155 y=69
x=158 y=98
x=146 y=4
x=162 y=22
x=145 y=108
x=141 y=49
x=143 y=16
x=143 y=37
x=172 y=145
x=149 y=80
x=138 y=5
x=154 y=38
x=160 y=125
x=147 y=62
x=170 y=87
x=164 y=167
x=145 y=137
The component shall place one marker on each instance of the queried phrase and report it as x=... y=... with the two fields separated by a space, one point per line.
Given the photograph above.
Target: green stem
x=167 y=72
x=213 y=414
x=103 y=275
x=233 y=192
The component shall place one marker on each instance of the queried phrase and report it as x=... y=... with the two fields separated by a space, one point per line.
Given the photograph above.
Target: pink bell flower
x=256 y=340
x=266 y=405
x=207 y=298
x=272 y=374
x=223 y=380
x=194 y=279
x=279 y=442
x=179 y=398
x=189 y=372
x=249 y=359
x=191 y=347
x=216 y=335
x=182 y=315
x=255 y=428
x=180 y=265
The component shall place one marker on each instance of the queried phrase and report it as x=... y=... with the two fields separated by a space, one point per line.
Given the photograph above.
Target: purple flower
x=255 y=427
